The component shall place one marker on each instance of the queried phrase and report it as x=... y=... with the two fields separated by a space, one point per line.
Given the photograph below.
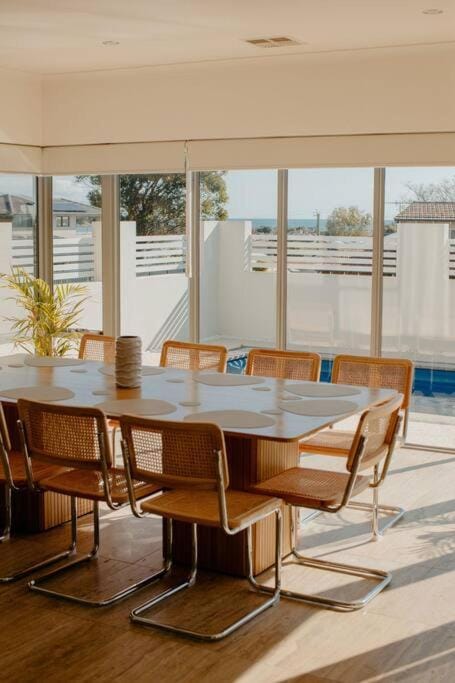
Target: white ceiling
x=57 y=36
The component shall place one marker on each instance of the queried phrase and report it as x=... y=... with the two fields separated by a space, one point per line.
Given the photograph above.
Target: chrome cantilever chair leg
x=394 y=513
x=6 y=538
x=37 y=584
x=136 y=617
x=383 y=579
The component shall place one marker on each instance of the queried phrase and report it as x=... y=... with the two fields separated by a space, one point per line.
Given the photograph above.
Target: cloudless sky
x=253 y=194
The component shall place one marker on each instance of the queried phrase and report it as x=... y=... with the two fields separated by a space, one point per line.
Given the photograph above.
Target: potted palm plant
x=46 y=327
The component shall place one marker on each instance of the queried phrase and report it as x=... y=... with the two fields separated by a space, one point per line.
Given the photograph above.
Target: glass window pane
x=419 y=294
x=330 y=261
x=77 y=241
x=153 y=253
x=238 y=260
x=18 y=244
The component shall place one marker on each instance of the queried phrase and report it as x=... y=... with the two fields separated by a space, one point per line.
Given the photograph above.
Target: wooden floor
x=406 y=634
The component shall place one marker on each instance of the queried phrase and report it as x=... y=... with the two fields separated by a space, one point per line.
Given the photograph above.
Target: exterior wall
x=363 y=91
x=155 y=307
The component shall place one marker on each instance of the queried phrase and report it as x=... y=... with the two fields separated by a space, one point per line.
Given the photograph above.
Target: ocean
x=293 y=223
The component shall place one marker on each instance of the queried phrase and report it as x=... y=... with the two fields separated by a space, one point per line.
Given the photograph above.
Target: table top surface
x=286 y=426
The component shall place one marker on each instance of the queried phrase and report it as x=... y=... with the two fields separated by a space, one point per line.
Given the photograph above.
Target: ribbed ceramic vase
x=128 y=362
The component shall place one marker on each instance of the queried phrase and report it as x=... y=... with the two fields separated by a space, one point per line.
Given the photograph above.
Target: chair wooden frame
x=101 y=463
x=128 y=423
x=255 y=356
x=357 y=461
x=195 y=349
x=393 y=513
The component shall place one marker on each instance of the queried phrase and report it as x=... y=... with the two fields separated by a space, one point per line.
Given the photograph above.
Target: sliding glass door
x=238 y=258
x=77 y=241
x=419 y=294
x=153 y=260
x=18 y=243
x=329 y=261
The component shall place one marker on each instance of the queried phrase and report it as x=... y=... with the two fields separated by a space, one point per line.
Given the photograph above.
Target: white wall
x=20 y=108
x=378 y=90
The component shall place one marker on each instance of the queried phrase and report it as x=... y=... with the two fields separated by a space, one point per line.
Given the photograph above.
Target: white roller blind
x=436 y=149
x=408 y=149
x=20 y=159
x=146 y=157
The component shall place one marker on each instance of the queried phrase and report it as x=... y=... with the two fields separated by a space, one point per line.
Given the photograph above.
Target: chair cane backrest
x=186 y=356
x=175 y=454
x=377 y=430
x=97 y=347
x=296 y=365
x=66 y=435
x=376 y=373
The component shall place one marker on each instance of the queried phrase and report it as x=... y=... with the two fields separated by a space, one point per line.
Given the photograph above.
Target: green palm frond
x=47 y=326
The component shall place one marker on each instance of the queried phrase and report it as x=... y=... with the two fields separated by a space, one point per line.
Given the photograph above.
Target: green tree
x=350 y=221
x=157 y=202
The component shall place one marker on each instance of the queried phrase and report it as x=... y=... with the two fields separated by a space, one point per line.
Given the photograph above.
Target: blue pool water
x=427 y=382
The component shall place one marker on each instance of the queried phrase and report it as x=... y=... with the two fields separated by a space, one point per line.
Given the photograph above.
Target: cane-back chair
x=187 y=356
x=383 y=373
x=14 y=476
x=97 y=347
x=189 y=461
x=329 y=491
x=296 y=365
x=76 y=439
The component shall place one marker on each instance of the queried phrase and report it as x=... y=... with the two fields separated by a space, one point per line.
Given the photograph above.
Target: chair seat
x=328 y=441
x=89 y=484
x=305 y=487
x=202 y=507
x=19 y=473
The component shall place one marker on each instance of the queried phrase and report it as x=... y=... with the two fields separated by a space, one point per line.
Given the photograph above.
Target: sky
x=253 y=194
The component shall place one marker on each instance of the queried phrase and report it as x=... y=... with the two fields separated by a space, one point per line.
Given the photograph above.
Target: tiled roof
x=429 y=212
x=12 y=204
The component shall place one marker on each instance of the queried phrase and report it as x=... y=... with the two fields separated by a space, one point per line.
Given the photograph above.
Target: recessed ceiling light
x=110 y=43
x=432 y=11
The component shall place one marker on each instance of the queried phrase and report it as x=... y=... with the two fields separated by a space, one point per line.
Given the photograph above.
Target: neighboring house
x=429 y=212
x=71 y=214
x=68 y=214
x=16 y=209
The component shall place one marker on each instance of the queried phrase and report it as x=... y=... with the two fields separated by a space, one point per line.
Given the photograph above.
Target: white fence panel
x=323 y=254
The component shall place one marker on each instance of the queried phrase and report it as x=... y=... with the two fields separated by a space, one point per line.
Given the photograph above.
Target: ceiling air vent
x=278 y=41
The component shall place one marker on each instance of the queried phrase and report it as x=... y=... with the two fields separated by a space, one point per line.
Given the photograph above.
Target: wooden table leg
x=250 y=460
